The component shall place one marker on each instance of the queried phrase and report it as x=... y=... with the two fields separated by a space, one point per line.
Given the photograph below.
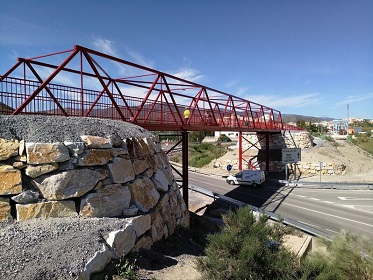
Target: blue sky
x=300 y=57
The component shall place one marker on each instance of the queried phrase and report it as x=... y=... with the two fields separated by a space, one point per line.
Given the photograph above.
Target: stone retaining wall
x=94 y=177
x=315 y=168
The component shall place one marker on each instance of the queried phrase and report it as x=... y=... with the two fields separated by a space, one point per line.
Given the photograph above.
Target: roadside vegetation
x=363 y=140
x=201 y=154
x=247 y=248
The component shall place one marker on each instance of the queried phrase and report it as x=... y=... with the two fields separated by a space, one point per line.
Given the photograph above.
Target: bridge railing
x=151 y=98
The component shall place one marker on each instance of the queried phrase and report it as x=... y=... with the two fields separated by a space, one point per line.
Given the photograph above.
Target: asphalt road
x=328 y=210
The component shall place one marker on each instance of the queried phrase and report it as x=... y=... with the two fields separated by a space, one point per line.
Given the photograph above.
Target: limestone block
x=68 y=184
x=157 y=228
x=94 y=157
x=10 y=180
x=96 y=264
x=121 y=170
x=164 y=159
x=34 y=171
x=19 y=165
x=141 y=224
x=151 y=145
x=28 y=196
x=165 y=231
x=39 y=153
x=50 y=209
x=118 y=151
x=122 y=241
x=130 y=211
x=116 y=141
x=75 y=148
x=152 y=163
x=4 y=209
x=8 y=148
x=95 y=142
x=145 y=242
x=22 y=148
x=144 y=193
x=143 y=147
x=67 y=165
x=140 y=165
x=168 y=173
x=160 y=181
x=130 y=142
x=107 y=201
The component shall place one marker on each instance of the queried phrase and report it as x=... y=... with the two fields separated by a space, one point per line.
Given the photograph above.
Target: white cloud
x=105 y=46
x=188 y=74
x=241 y=91
x=354 y=99
x=139 y=59
x=231 y=83
x=280 y=101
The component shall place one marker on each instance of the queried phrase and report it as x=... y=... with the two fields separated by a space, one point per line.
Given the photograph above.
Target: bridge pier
x=184 y=140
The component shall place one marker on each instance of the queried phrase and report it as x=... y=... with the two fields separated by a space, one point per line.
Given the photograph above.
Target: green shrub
x=247 y=248
x=203 y=154
x=347 y=256
x=127 y=267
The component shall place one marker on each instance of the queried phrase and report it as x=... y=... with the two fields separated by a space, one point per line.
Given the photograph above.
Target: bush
x=203 y=154
x=347 y=256
x=247 y=248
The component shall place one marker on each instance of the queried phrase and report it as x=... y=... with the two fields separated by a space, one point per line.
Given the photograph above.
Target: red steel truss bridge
x=82 y=82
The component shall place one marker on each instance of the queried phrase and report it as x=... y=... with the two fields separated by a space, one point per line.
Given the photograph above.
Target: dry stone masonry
x=91 y=177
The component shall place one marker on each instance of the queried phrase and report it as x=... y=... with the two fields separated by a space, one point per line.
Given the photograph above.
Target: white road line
x=331 y=230
x=308 y=224
x=314 y=198
x=331 y=202
x=214 y=185
x=353 y=198
x=354 y=207
x=330 y=215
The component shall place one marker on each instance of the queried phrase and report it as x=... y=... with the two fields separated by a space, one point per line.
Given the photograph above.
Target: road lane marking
x=354 y=207
x=311 y=225
x=331 y=202
x=352 y=198
x=334 y=216
x=314 y=198
x=331 y=230
x=212 y=184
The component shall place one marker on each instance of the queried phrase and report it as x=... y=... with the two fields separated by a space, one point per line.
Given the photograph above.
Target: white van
x=247 y=177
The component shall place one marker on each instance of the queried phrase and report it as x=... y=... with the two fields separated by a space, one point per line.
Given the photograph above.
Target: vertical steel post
x=184 y=134
x=267 y=152
x=240 y=150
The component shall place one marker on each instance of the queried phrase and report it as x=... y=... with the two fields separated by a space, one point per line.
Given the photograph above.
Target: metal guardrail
x=328 y=185
x=273 y=216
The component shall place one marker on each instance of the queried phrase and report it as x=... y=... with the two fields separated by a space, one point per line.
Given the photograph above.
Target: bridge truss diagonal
x=80 y=82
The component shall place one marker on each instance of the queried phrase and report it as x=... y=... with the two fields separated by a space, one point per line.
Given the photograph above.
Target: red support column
x=240 y=150
x=185 y=166
x=267 y=152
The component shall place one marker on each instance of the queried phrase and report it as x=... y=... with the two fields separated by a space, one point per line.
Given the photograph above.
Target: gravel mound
x=49 y=129
x=55 y=248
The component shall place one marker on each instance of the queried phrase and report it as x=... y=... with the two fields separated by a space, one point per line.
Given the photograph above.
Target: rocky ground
x=58 y=248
